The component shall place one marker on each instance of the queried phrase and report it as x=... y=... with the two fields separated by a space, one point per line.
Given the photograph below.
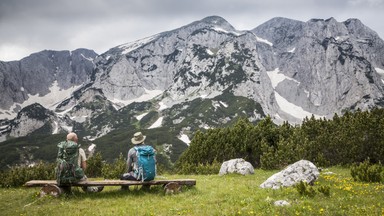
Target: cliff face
x=38 y=73
x=284 y=68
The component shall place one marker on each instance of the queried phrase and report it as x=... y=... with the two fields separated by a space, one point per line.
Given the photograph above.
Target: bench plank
x=37 y=183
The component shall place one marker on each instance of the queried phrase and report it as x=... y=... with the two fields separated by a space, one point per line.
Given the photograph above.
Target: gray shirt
x=132 y=159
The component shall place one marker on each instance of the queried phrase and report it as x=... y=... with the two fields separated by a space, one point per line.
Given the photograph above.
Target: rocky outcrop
x=37 y=73
x=290 y=69
x=302 y=170
x=238 y=165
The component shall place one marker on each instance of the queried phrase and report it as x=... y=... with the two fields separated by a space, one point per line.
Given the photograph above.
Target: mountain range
x=202 y=75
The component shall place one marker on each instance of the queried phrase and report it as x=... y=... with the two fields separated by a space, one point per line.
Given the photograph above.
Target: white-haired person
x=82 y=162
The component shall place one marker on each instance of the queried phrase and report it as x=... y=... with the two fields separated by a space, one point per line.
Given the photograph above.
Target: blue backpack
x=146 y=163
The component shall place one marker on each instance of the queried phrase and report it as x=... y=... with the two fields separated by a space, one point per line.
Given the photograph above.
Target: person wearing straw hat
x=132 y=158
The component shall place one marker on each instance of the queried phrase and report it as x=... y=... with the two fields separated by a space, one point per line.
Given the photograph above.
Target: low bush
x=326 y=190
x=18 y=175
x=115 y=169
x=94 y=166
x=305 y=189
x=367 y=172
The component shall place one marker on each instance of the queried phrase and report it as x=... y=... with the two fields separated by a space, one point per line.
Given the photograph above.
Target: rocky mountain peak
x=217 y=21
x=290 y=68
x=211 y=22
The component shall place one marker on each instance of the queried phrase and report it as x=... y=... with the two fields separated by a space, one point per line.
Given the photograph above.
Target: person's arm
x=83 y=165
x=130 y=160
x=83 y=157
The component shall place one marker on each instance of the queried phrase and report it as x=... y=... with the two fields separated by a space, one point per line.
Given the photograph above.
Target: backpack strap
x=139 y=172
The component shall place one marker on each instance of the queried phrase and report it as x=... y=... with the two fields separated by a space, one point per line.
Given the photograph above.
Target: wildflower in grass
x=321 y=211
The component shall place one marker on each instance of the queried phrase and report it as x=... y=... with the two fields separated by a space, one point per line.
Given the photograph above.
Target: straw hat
x=138 y=138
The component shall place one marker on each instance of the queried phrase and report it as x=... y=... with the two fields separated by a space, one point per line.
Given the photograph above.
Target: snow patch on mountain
x=157 y=123
x=291 y=108
x=62 y=113
x=224 y=104
x=139 y=117
x=56 y=129
x=67 y=128
x=91 y=147
x=379 y=71
x=148 y=95
x=277 y=77
x=210 y=52
x=89 y=59
x=296 y=111
x=104 y=130
x=262 y=40
x=185 y=139
x=219 y=29
x=162 y=106
x=128 y=47
x=49 y=100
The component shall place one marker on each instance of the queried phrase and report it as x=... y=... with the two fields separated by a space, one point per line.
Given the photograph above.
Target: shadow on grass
x=116 y=192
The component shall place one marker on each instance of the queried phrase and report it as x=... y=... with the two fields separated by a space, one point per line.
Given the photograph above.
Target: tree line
x=343 y=140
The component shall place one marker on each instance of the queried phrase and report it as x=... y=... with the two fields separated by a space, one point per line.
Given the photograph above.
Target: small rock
x=281 y=203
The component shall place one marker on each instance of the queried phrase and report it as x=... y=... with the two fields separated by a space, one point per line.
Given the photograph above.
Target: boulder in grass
x=281 y=203
x=302 y=170
x=238 y=165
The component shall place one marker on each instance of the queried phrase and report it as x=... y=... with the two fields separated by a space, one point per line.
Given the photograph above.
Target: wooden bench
x=50 y=186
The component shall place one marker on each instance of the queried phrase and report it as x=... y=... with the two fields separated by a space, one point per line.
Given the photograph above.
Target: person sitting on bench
x=141 y=160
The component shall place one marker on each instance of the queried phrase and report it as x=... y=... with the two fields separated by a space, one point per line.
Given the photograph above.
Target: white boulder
x=302 y=170
x=238 y=165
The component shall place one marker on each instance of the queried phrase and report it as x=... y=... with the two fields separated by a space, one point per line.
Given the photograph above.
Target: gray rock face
x=302 y=170
x=238 y=165
x=292 y=69
x=35 y=117
x=35 y=74
x=324 y=65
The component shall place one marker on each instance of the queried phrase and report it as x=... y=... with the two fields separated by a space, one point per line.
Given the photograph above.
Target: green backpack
x=67 y=169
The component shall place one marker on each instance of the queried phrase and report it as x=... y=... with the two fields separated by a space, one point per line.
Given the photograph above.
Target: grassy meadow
x=213 y=195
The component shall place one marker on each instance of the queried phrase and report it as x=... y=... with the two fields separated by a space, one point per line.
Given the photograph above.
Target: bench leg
x=172 y=188
x=51 y=190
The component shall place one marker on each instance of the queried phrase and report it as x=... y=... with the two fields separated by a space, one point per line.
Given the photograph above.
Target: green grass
x=213 y=195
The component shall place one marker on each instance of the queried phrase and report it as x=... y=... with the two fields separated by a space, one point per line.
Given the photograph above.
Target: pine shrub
x=367 y=172
x=326 y=190
x=18 y=175
x=115 y=169
x=304 y=189
x=94 y=166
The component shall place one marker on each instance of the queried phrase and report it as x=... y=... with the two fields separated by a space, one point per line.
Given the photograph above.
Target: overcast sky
x=28 y=26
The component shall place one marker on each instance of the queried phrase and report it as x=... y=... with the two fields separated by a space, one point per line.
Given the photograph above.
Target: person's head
x=72 y=137
x=138 y=138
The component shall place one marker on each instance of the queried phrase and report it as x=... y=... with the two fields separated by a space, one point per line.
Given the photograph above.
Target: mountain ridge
x=203 y=75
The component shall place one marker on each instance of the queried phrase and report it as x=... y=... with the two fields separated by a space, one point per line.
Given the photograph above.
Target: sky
x=29 y=26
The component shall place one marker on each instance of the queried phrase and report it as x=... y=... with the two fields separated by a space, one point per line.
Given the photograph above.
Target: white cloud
x=31 y=26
